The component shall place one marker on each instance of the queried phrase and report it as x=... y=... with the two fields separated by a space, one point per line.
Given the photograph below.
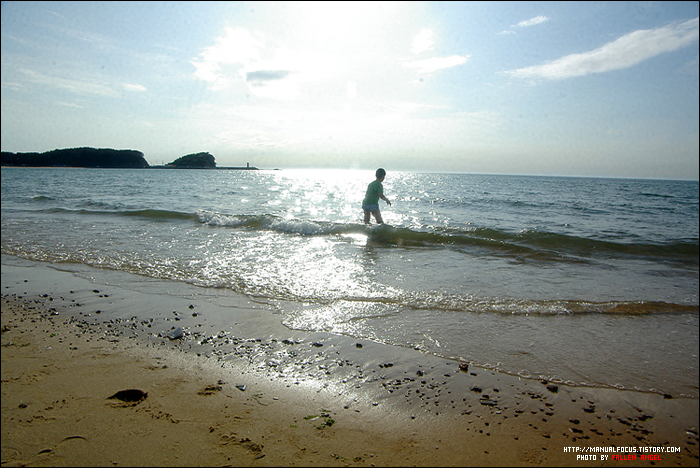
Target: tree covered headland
x=77 y=157
x=106 y=158
x=195 y=160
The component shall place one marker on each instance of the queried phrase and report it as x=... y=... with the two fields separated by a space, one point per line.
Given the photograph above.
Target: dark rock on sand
x=210 y=390
x=129 y=396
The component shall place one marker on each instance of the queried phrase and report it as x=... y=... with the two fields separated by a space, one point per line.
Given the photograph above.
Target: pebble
x=176 y=334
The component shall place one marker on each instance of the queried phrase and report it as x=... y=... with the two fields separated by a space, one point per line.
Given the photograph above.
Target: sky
x=594 y=89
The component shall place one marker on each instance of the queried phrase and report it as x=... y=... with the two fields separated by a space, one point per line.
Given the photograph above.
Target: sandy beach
x=90 y=378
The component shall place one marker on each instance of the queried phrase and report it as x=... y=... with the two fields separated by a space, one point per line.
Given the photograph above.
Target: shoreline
x=261 y=394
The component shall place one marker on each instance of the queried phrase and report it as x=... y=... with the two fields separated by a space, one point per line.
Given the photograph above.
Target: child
x=375 y=191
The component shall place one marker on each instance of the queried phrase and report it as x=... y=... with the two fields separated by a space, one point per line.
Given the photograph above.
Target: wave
x=163 y=215
x=526 y=244
x=150 y=214
x=353 y=307
x=549 y=307
x=536 y=245
x=41 y=198
x=349 y=309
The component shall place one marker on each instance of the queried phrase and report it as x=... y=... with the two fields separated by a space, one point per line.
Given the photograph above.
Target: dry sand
x=270 y=397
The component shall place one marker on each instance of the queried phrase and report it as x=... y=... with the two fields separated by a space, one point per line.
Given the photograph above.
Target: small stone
x=176 y=334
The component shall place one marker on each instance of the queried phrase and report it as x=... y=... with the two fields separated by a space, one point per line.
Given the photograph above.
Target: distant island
x=196 y=160
x=77 y=157
x=107 y=158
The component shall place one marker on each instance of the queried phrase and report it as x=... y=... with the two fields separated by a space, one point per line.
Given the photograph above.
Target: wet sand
x=257 y=394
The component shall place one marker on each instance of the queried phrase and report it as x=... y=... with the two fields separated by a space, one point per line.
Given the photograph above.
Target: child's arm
x=381 y=195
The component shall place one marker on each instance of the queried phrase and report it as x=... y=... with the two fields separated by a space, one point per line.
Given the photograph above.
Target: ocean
x=583 y=281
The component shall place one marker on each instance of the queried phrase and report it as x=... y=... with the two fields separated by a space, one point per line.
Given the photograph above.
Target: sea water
x=585 y=281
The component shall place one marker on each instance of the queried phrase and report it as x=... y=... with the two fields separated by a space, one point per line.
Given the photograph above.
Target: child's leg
x=366 y=217
x=378 y=216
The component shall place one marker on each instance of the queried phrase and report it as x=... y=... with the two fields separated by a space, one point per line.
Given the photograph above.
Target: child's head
x=380 y=173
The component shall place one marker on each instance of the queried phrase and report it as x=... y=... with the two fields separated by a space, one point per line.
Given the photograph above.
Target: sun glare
x=342 y=19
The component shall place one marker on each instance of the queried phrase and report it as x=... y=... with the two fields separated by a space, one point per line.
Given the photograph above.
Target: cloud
x=12 y=85
x=69 y=104
x=268 y=71
x=436 y=63
x=75 y=86
x=236 y=47
x=261 y=77
x=527 y=23
x=22 y=41
x=423 y=41
x=134 y=87
x=627 y=51
x=531 y=22
x=55 y=14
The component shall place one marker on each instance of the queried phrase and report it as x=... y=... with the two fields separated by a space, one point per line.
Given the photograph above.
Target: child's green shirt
x=374 y=189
